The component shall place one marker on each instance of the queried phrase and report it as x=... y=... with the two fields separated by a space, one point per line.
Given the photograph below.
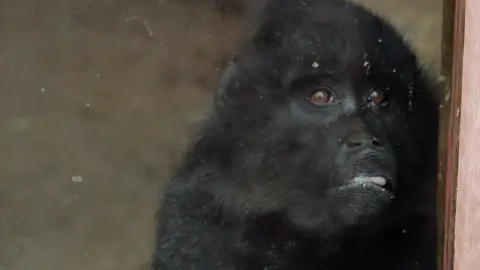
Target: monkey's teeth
x=378 y=180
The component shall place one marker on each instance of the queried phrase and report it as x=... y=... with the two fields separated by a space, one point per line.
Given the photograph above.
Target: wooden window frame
x=459 y=171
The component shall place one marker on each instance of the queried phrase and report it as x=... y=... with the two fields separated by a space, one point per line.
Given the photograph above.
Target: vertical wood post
x=452 y=65
x=467 y=225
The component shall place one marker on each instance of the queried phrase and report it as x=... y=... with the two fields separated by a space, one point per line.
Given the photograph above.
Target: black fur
x=267 y=183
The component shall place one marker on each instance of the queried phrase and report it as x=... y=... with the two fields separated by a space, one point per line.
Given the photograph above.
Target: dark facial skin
x=320 y=153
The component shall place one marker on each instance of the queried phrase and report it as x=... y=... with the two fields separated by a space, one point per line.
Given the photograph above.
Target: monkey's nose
x=362 y=140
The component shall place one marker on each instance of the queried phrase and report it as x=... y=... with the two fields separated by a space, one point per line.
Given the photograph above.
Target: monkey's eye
x=376 y=98
x=321 y=96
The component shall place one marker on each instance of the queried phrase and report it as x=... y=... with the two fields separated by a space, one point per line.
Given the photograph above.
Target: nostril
x=362 y=140
x=353 y=144
x=376 y=142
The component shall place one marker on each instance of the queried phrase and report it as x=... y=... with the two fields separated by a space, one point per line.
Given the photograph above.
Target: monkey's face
x=331 y=140
x=326 y=120
x=340 y=133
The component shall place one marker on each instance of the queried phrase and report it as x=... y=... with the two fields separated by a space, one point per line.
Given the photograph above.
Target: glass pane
x=219 y=134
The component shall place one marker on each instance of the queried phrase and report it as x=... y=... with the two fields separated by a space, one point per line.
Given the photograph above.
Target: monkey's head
x=325 y=118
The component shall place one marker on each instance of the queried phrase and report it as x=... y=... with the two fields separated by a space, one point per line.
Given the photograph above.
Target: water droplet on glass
x=447 y=96
x=77 y=179
x=410 y=97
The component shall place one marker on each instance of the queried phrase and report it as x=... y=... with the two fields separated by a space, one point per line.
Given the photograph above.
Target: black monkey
x=320 y=152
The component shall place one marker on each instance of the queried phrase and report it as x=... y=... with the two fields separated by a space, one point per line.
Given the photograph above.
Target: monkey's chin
x=357 y=203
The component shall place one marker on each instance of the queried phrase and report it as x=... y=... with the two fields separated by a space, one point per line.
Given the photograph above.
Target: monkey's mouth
x=383 y=182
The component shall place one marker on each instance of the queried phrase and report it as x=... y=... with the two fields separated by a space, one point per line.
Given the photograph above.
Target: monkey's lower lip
x=383 y=182
x=377 y=180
